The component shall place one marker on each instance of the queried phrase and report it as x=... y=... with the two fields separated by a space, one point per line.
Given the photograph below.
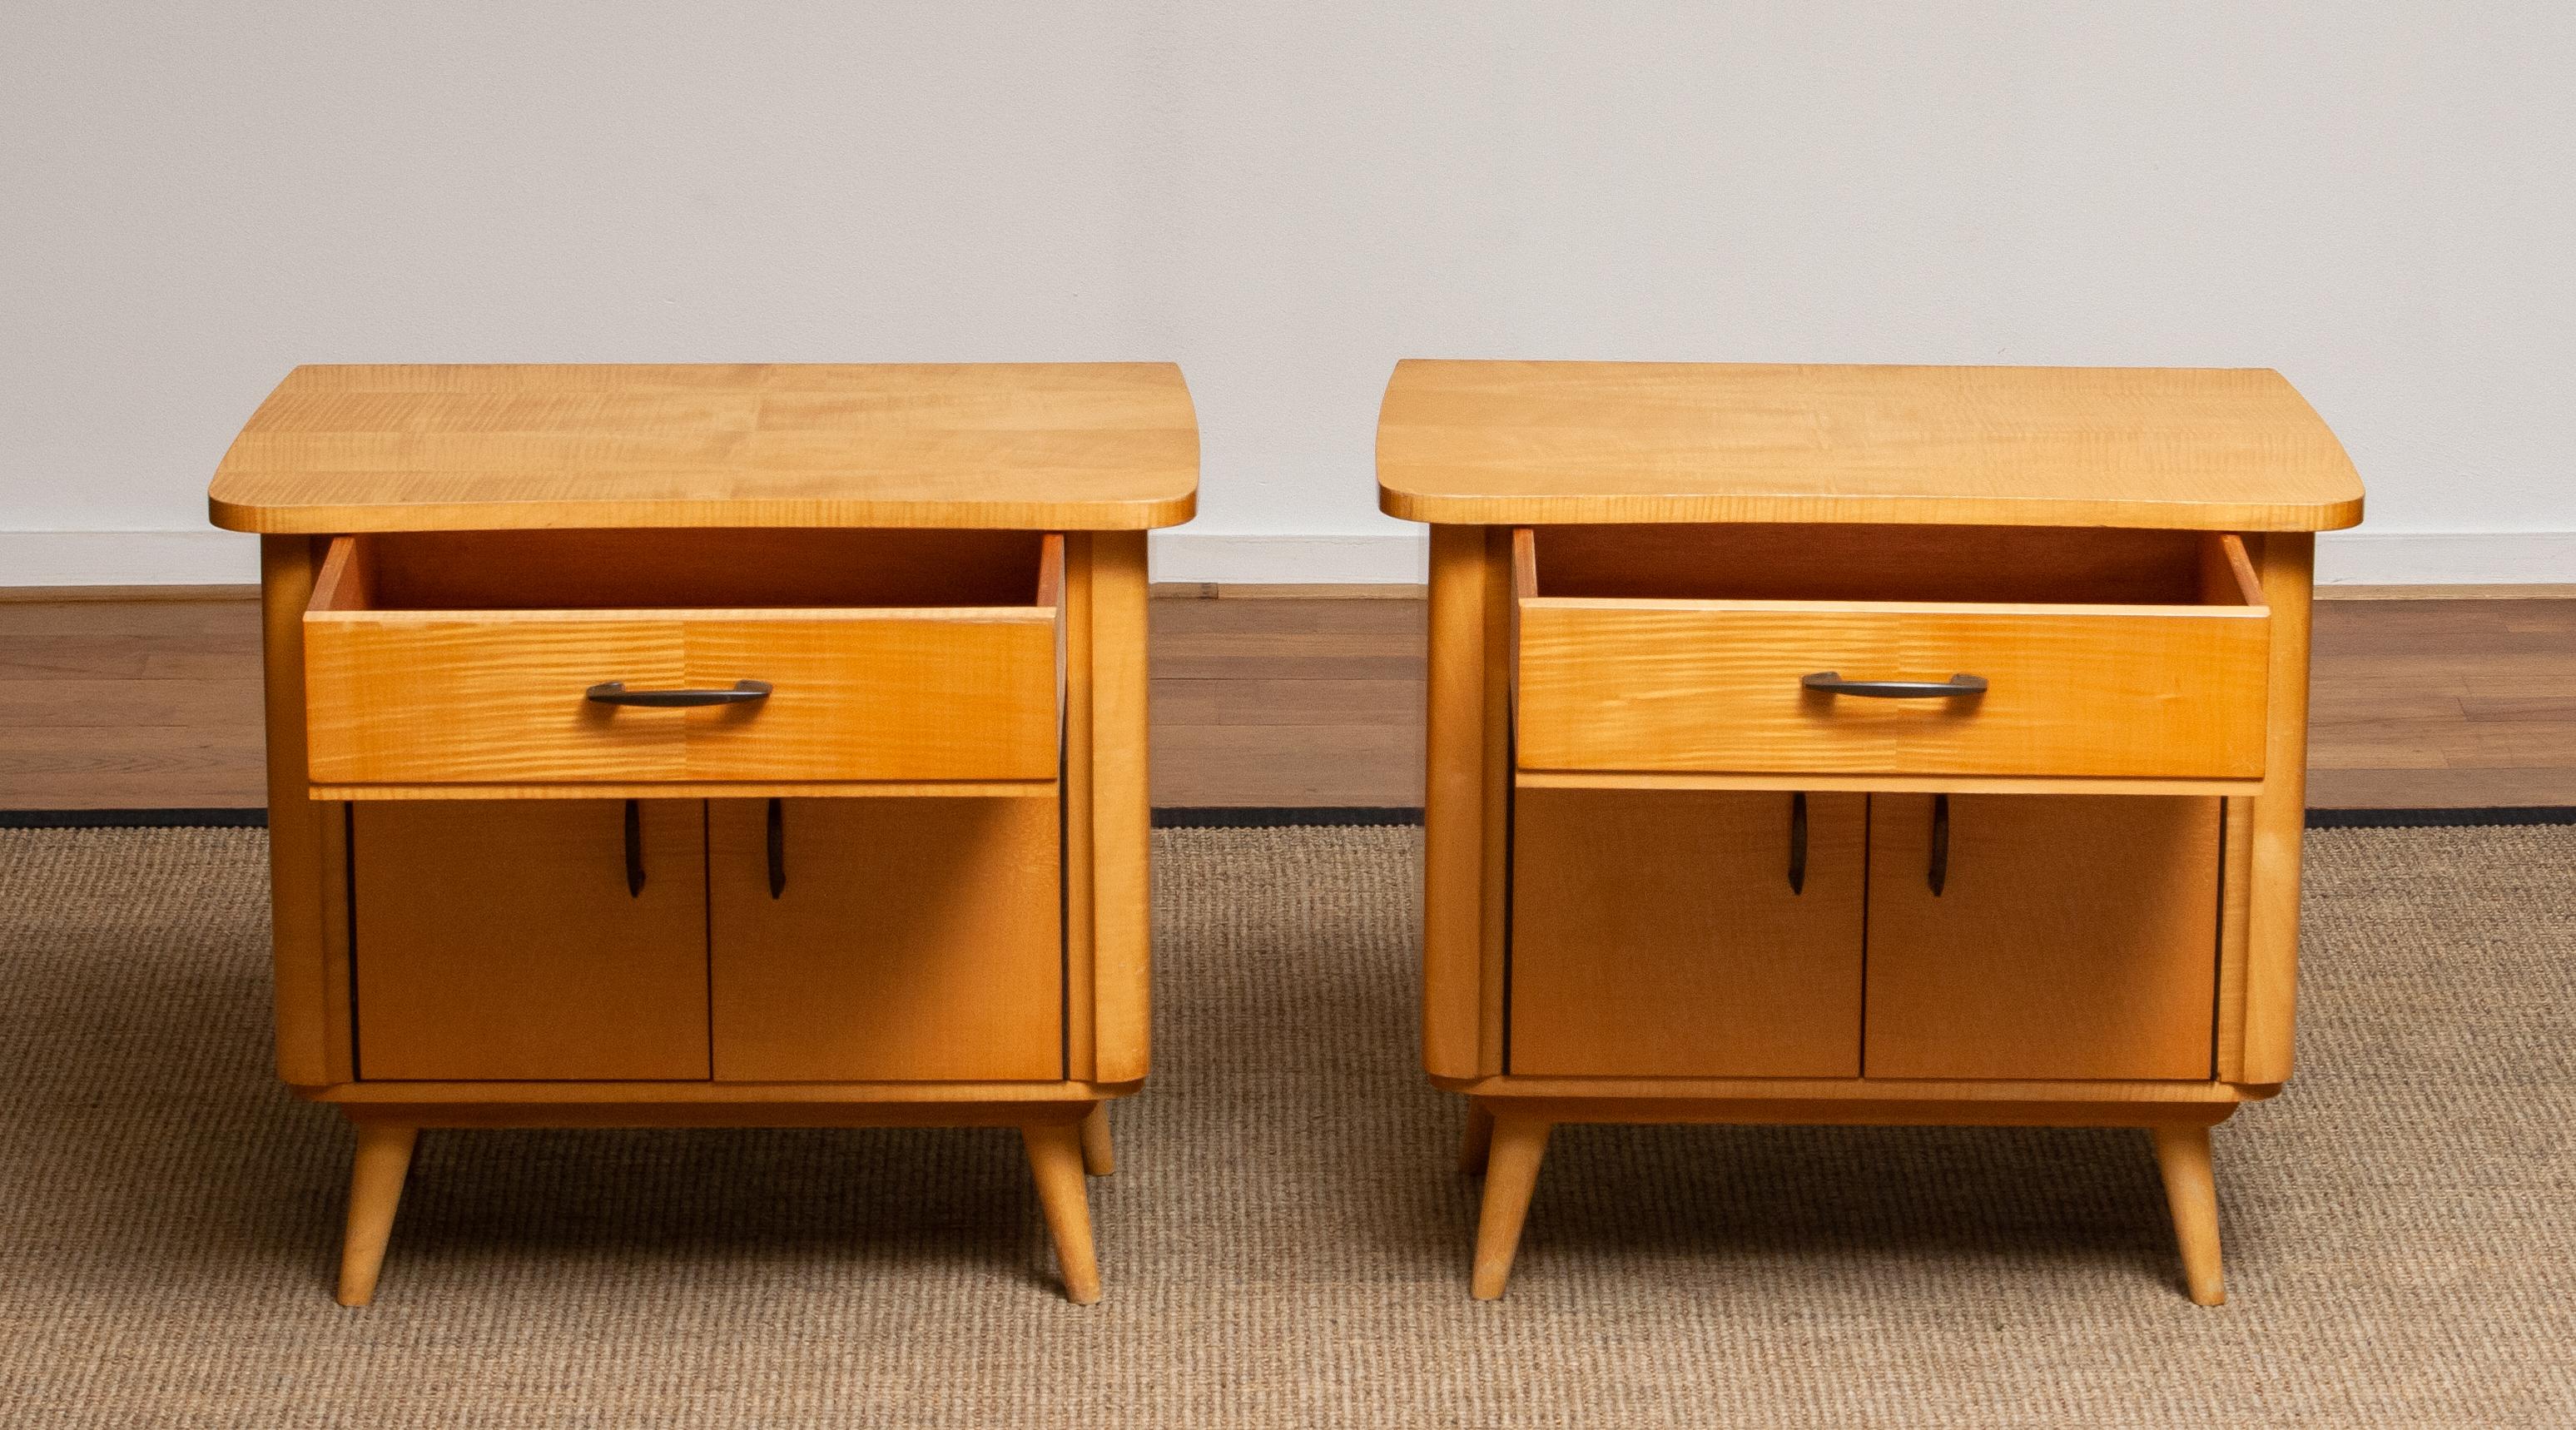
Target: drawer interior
x=698 y=568
x=2014 y=565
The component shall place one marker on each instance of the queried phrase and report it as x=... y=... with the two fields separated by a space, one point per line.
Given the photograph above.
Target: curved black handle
x=614 y=692
x=1832 y=683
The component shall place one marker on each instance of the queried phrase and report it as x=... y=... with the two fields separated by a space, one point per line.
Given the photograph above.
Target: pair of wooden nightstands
x=766 y=746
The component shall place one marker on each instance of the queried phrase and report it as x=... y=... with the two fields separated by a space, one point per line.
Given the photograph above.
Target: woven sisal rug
x=1285 y=1243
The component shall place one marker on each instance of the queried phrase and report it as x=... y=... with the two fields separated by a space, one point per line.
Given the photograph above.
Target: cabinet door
x=2074 y=936
x=1657 y=934
x=499 y=939
x=909 y=939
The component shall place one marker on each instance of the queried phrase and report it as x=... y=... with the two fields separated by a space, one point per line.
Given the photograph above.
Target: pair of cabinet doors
x=1662 y=934
x=859 y=940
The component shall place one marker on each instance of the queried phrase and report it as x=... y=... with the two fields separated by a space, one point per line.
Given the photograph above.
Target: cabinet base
x=1506 y=1138
x=1067 y=1141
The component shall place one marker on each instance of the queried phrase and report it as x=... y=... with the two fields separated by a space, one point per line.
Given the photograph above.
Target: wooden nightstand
x=711 y=746
x=1861 y=745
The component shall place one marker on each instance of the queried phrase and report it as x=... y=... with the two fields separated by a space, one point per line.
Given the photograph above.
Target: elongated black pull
x=1938 y=873
x=777 y=847
x=634 y=848
x=1798 y=842
x=1827 y=682
x=614 y=692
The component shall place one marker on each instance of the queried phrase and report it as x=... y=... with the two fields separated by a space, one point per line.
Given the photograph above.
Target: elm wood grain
x=2015 y=565
x=2235 y=913
x=701 y=789
x=1081 y=874
x=376 y=1176
x=1714 y=685
x=2137 y=692
x=501 y=941
x=2073 y=938
x=313 y=1033
x=404 y=696
x=1516 y=1145
x=1515 y=443
x=1880 y=784
x=2287 y=563
x=1466 y=783
x=913 y=940
x=2416 y=703
x=753 y=1104
x=2191 y=1192
x=2154 y=1098
x=1659 y=935
x=1064 y=1198
x=1099 y=1158
x=1033 y=446
x=1121 y=825
x=751 y=567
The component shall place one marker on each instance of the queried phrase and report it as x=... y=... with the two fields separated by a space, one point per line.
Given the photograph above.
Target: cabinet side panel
x=1454 y=805
x=312 y=1035
x=2287 y=564
x=1121 y=811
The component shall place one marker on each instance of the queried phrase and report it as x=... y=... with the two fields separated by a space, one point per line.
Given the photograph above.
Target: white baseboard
x=128 y=558
x=2446 y=558
x=204 y=558
x=1402 y=558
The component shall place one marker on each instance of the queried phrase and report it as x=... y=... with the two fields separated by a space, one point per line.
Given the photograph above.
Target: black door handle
x=614 y=692
x=1798 y=843
x=634 y=848
x=777 y=847
x=1937 y=873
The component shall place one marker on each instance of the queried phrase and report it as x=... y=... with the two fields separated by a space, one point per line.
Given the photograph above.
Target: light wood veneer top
x=1494 y=443
x=1029 y=446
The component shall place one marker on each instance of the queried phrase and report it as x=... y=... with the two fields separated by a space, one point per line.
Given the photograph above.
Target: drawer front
x=2145 y=692
x=499 y=697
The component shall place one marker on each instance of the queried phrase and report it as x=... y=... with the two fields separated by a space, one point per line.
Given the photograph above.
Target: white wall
x=2376 y=199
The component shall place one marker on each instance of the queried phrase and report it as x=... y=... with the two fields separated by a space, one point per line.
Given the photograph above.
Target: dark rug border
x=1281 y=817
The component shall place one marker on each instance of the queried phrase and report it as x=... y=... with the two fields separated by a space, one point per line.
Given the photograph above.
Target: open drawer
x=511 y=660
x=1874 y=650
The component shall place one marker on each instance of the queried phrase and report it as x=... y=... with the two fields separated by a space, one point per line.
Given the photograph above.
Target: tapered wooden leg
x=1055 y=1159
x=1511 y=1175
x=375 y=1190
x=1097 y=1157
x=2191 y=1189
x=1478 y=1141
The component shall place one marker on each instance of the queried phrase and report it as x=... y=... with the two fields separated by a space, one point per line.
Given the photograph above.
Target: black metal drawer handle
x=614 y=692
x=1832 y=683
